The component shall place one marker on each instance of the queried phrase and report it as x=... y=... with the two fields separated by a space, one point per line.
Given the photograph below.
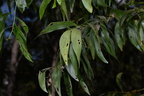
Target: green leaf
x=101 y=3
x=107 y=41
x=56 y=78
x=64 y=45
x=96 y=42
x=133 y=36
x=57 y=26
x=119 y=36
x=24 y=26
x=2 y=27
x=119 y=81
x=118 y=13
x=54 y=4
x=21 y=4
x=42 y=80
x=88 y=5
x=64 y=8
x=68 y=84
x=90 y=44
x=22 y=42
x=71 y=2
x=83 y=85
x=71 y=71
x=73 y=59
x=76 y=42
x=59 y=2
x=43 y=7
x=29 y=2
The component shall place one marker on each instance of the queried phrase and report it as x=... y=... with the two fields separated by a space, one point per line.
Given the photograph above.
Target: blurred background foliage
x=130 y=61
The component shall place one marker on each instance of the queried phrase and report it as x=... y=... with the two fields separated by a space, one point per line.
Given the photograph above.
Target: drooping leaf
x=88 y=67
x=57 y=26
x=83 y=85
x=54 y=4
x=64 y=9
x=119 y=36
x=68 y=84
x=119 y=81
x=24 y=26
x=96 y=42
x=43 y=7
x=88 y=5
x=76 y=42
x=133 y=36
x=56 y=78
x=64 y=45
x=2 y=27
x=21 y=4
x=71 y=2
x=107 y=41
x=22 y=42
x=73 y=59
x=42 y=80
x=71 y=71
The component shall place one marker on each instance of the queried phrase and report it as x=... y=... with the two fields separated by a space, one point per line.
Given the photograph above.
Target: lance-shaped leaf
x=24 y=26
x=57 y=26
x=96 y=42
x=42 y=80
x=2 y=27
x=68 y=84
x=119 y=81
x=101 y=3
x=133 y=36
x=76 y=42
x=22 y=42
x=64 y=45
x=43 y=7
x=21 y=4
x=56 y=78
x=71 y=71
x=64 y=8
x=88 y=5
x=59 y=2
x=73 y=59
x=71 y=2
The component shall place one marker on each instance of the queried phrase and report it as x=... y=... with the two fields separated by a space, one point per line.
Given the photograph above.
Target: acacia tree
x=90 y=29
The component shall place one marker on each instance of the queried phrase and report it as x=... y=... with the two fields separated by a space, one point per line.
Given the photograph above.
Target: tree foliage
x=92 y=29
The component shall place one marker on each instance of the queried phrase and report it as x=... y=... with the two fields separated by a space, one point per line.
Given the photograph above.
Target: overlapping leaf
x=22 y=41
x=57 y=26
x=76 y=40
x=64 y=45
x=21 y=4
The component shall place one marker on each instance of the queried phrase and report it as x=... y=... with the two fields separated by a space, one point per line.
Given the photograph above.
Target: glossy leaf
x=24 y=26
x=96 y=42
x=88 y=5
x=71 y=71
x=2 y=27
x=43 y=7
x=64 y=45
x=42 y=80
x=21 y=4
x=119 y=81
x=68 y=84
x=76 y=40
x=56 y=77
x=22 y=41
x=57 y=26
x=73 y=59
